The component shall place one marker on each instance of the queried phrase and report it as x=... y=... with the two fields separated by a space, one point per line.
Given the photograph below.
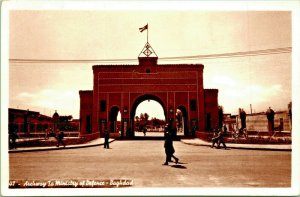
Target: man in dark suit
x=169 y=149
x=221 y=139
x=106 y=139
x=60 y=137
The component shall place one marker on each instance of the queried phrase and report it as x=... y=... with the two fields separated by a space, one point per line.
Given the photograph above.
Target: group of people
x=218 y=138
x=59 y=137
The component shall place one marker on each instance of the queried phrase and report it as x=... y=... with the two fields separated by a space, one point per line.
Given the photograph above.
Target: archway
x=182 y=121
x=145 y=121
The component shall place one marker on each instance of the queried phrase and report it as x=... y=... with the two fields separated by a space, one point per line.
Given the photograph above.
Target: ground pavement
x=141 y=162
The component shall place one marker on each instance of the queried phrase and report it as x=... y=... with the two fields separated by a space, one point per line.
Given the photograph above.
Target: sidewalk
x=195 y=142
x=96 y=142
x=273 y=147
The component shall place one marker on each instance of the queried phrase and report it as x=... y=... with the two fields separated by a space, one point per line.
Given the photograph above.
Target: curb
x=58 y=148
x=245 y=148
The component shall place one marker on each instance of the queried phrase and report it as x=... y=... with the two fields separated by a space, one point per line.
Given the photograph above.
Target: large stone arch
x=142 y=98
x=125 y=86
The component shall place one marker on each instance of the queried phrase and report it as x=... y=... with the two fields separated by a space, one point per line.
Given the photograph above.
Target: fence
x=43 y=134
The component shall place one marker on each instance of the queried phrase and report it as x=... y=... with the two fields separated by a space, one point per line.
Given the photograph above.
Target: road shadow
x=178 y=166
x=181 y=163
x=221 y=148
x=225 y=148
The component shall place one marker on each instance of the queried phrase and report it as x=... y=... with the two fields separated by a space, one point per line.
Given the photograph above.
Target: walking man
x=169 y=149
x=60 y=137
x=221 y=139
x=215 y=138
x=106 y=139
x=144 y=130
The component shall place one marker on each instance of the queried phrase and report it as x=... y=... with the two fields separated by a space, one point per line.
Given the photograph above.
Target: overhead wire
x=176 y=58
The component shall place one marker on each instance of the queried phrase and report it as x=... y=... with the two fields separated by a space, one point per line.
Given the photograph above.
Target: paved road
x=141 y=161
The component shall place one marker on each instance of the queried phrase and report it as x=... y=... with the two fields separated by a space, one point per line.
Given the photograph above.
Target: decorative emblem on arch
x=147 y=51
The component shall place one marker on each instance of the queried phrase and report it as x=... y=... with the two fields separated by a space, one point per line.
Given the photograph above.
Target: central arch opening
x=148 y=116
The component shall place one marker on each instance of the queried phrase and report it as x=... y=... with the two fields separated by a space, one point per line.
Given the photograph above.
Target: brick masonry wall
x=259 y=122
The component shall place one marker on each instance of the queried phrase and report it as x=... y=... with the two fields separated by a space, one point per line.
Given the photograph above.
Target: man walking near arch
x=169 y=149
x=106 y=139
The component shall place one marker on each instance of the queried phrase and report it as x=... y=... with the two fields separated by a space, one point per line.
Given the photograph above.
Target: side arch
x=184 y=112
x=113 y=114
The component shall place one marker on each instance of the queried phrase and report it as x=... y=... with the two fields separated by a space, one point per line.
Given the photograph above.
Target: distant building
x=24 y=121
x=230 y=121
x=27 y=121
x=259 y=122
x=74 y=124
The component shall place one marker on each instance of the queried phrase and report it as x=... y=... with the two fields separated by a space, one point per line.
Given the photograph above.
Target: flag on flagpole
x=143 y=28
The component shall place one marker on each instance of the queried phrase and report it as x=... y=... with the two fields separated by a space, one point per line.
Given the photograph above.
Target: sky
x=262 y=81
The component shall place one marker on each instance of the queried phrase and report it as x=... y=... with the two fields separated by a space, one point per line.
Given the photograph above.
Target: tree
x=143 y=120
x=146 y=116
x=142 y=117
x=64 y=122
x=155 y=122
